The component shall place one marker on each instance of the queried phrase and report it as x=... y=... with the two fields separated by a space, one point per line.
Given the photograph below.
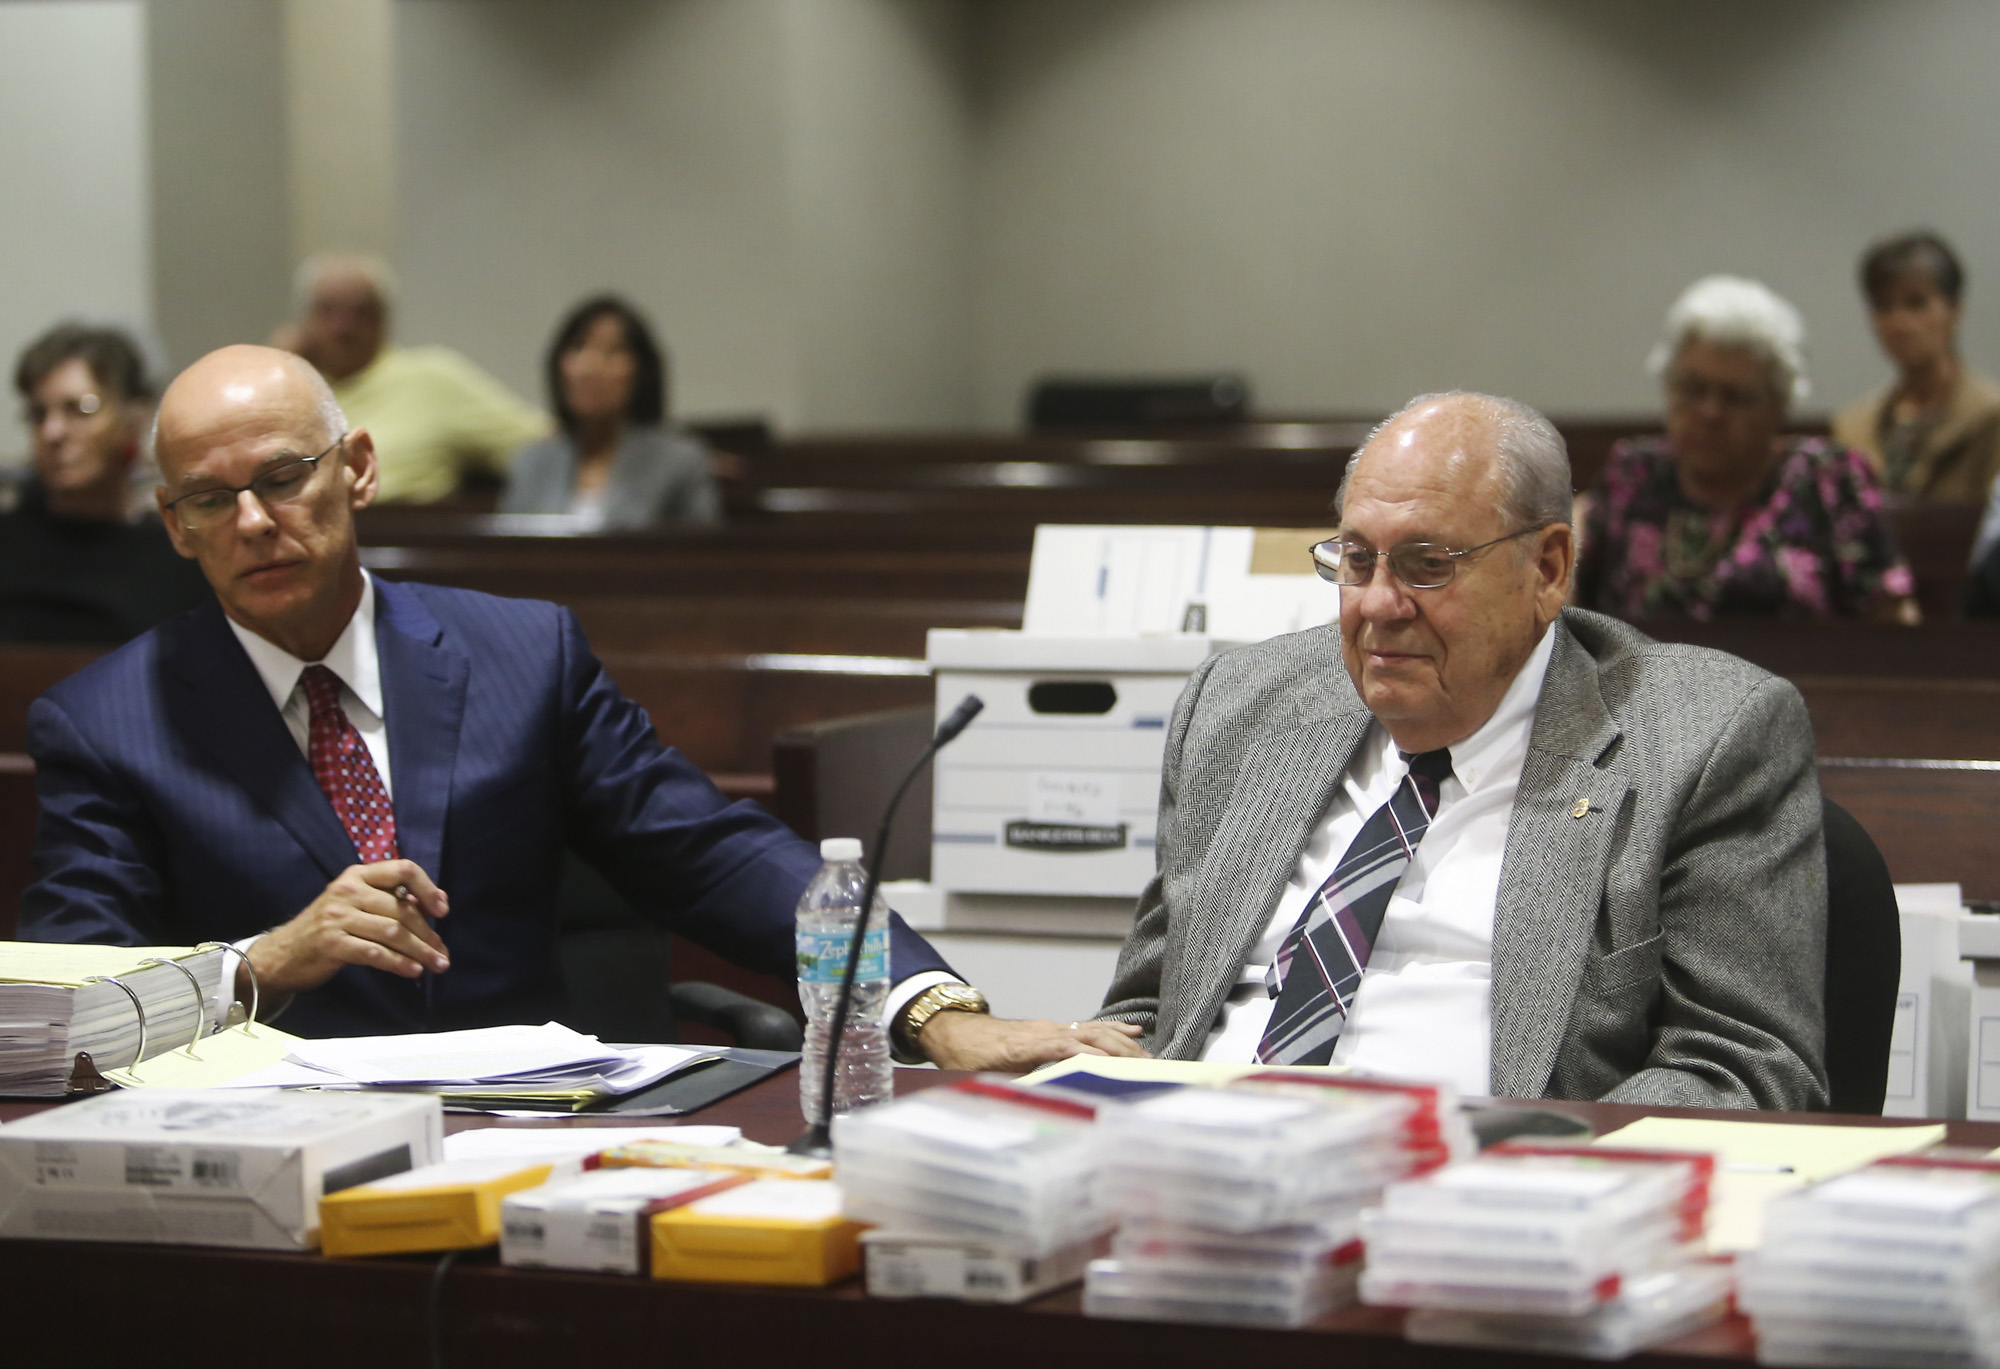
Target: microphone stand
x=818 y=1138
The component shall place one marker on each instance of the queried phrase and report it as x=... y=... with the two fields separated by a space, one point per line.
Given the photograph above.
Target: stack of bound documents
x=1585 y=1250
x=121 y=1004
x=1242 y=1206
x=1896 y=1264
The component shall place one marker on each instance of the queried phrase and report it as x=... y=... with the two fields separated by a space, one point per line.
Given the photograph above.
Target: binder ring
x=137 y=1007
x=256 y=990
x=200 y=1001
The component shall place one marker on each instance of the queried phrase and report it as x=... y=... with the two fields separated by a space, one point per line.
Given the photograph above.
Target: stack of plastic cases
x=983 y=1160
x=1241 y=1206
x=1897 y=1264
x=1587 y=1247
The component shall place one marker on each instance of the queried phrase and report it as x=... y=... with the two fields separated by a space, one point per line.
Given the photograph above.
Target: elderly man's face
x=287 y=567
x=344 y=324
x=1433 y=664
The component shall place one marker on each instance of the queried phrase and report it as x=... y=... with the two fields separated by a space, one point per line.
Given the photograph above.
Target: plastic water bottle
x=827 y=910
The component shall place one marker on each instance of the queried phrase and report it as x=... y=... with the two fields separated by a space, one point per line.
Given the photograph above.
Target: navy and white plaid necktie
x=1319 y=966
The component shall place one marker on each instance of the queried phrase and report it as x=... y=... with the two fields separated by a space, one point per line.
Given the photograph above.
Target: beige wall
x=1355 y=201
x=216 y=123
x=340 y=125
x=779 y=183
x=74 y=219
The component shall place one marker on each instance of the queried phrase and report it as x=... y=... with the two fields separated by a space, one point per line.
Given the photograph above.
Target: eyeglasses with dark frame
x=283 y=483
x=1419 y=565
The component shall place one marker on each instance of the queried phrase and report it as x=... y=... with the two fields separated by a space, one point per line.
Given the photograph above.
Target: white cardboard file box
x=1055 y=787
x=205 y=1167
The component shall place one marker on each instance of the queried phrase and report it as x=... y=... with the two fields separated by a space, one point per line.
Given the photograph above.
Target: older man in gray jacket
x=1514 y=847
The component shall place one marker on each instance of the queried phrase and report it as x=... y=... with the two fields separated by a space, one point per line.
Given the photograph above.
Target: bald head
x=262 y=482
x=241 y=384
x=1489 y=438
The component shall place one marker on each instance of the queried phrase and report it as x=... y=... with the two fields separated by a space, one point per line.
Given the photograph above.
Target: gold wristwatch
x=910 y=1022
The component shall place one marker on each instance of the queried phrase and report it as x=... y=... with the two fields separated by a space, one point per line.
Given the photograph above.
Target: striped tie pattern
x=346 y=771
x=1329 y=945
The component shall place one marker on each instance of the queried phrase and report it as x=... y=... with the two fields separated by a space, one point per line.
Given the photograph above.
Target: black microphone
x=818 y=1138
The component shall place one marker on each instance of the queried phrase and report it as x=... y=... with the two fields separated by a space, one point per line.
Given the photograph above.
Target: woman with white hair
x=1726 y=513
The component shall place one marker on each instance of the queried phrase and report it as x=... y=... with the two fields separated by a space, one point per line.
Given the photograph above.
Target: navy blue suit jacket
x=176 y=808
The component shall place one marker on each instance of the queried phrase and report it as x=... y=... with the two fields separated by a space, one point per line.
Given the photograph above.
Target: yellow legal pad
x=769 y=1231
x=452 y=1206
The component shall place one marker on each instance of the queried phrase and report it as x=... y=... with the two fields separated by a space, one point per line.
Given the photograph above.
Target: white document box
x=1055 y=787
x=236 y=1167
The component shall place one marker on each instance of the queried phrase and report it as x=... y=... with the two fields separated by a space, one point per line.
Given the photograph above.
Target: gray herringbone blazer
x=1666 y=947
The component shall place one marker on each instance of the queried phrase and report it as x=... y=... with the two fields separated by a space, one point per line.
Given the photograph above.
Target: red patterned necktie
x=345 y=770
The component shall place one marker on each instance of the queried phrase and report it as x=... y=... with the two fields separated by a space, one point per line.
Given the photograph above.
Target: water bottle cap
x=840 y=848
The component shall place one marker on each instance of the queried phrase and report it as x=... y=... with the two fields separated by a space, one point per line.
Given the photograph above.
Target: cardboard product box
x=599 y=1221
x=757 y=1162
x=231 y=1167
x=1055 y=787
x=771 y=1231
x=449 y=1206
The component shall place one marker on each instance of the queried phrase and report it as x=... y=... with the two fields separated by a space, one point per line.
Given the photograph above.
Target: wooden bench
x=1935 y=821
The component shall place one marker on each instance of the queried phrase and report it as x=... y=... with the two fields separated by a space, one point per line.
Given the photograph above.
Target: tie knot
x=1434 y=766
x=322 y=688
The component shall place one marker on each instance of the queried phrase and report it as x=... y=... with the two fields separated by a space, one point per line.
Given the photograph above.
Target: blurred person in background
x=76 y=566
x=614 y=463
x=1727 y=514
x=435 y=416
x=1934 y=432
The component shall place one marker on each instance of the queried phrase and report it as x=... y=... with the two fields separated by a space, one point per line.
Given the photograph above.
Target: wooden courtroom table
x=81 y=1303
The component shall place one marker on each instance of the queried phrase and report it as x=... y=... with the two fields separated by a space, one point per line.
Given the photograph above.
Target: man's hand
x=370 y=915
x=974 y=1041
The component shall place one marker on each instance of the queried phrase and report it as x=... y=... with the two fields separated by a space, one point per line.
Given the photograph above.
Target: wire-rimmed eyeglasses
x=281 y=484
x=1419 y=565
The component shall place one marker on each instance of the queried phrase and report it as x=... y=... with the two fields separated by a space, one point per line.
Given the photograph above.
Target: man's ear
x=360 y=450
x=1555 y=563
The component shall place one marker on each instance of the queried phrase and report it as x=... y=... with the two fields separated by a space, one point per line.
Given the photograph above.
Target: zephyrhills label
x=1066 y=836
x=823 y=955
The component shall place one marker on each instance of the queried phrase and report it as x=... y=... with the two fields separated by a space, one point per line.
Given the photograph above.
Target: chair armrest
x=751 y=1024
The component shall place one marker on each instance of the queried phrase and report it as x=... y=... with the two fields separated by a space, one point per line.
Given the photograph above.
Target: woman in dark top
x=75 y=565
x=614 y=464
x=1727 y=513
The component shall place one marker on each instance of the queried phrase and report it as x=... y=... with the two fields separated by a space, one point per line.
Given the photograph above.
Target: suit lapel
x=228 y=714
x=1257 y=845
x=1553 y=874
x=423 y=698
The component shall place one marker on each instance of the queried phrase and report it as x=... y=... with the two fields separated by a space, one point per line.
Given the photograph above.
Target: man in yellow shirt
x=433 y=414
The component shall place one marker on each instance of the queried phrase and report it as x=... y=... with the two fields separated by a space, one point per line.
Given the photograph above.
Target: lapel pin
x=1582 y=807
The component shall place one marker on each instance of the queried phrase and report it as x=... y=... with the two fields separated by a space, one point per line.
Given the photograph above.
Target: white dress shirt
x=1424 y=1008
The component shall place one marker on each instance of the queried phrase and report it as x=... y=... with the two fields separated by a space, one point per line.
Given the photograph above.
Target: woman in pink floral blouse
x=1726 y=514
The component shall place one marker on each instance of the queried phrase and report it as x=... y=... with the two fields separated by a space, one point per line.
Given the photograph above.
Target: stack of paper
x=549 y=1065
x=49 y=1010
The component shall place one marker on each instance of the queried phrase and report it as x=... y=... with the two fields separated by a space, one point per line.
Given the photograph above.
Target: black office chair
x=616 y=970
x=1864 y=964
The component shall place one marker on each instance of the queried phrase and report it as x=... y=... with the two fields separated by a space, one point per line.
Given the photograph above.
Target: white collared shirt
x=353 y=658
x=1424 y=1008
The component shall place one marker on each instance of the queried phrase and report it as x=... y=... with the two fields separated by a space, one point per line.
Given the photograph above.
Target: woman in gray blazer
x=614 y=463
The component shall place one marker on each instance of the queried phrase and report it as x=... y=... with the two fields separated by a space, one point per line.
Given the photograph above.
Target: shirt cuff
x=905 y=990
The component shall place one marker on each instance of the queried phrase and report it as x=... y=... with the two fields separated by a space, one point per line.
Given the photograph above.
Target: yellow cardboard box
x=450 y=1206
x=771 y=1231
